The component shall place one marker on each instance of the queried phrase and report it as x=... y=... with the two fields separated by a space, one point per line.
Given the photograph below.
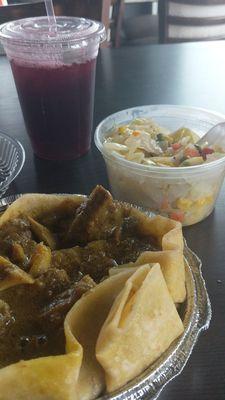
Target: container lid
x=12 y=157
x=37 y=31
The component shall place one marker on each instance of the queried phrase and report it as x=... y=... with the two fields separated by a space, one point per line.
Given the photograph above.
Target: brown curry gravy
x=32 y=315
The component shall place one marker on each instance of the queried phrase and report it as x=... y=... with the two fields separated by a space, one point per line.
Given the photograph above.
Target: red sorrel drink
x=55 y=79
x=57 y=105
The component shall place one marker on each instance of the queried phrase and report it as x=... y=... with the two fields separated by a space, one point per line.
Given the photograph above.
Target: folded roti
x=84 y=322
x=141 y=325
x=46 y=378
x=170 y=238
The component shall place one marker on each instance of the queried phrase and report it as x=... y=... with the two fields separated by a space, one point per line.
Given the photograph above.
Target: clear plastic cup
x=187 y=194
x=55 y=79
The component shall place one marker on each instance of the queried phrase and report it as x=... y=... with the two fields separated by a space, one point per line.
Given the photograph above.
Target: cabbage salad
x=145 y=142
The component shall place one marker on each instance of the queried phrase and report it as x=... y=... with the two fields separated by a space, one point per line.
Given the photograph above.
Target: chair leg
x=106 y=4
x=120 y=15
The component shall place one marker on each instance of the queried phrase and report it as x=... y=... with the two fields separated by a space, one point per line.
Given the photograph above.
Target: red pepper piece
x=189 y=152
x=207 y=150
x=177 y=215
x=176 y=146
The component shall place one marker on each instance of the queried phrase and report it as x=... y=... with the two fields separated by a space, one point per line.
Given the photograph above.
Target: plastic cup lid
x=37 y=31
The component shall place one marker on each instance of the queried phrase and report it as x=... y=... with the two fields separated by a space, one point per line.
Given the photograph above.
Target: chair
x=21 y=10
x=93 y=9
x=118 y=8
x=191 y=20
x=141 y=28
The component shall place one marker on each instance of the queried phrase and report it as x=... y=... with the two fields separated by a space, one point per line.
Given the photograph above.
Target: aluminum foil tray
x=196 y=315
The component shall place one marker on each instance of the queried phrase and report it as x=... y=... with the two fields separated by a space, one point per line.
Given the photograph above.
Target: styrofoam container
x=184 y=193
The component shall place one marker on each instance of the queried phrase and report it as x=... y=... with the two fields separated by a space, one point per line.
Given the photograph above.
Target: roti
x=57 y=298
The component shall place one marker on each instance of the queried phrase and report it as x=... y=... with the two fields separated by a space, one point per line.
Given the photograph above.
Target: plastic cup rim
x=99 y=34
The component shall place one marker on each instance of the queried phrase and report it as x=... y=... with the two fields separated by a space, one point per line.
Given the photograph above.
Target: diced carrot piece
x=135 y=133
x=176 y=146
x=191 y=152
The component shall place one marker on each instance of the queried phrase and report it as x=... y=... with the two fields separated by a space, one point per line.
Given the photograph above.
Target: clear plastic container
x=12 y=157
x=55 y=79
x=187 y=194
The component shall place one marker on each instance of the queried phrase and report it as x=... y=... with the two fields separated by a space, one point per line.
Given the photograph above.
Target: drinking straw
x=51 y=17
